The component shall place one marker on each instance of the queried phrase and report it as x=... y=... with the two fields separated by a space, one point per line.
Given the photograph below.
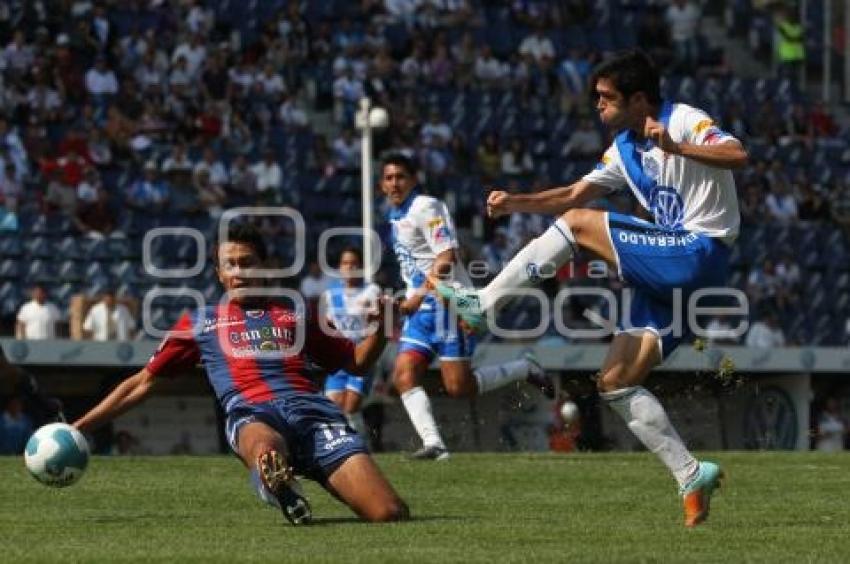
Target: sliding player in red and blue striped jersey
x=256 y=355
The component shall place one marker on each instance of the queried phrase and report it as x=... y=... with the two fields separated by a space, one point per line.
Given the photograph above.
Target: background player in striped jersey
x=346 y=306
x=677 y=163
x=425 y=244
x=278 y=422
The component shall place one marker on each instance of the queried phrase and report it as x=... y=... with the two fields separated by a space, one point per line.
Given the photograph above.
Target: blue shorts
x=341 y=381
x=655 y=262
x=316 y=432
x=432 y=331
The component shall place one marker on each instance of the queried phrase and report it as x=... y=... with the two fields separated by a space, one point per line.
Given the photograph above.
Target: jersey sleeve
x=329 y=350
x=437 y=227
x=178 y=351
x=608 y=171
x=697 y=128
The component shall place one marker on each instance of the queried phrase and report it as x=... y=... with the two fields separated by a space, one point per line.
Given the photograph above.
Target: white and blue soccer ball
x=57 y=455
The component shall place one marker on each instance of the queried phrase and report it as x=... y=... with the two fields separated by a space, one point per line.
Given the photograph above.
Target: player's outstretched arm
x=130 y=392
x=552 y=202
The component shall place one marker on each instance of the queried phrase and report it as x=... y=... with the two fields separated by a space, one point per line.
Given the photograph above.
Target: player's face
x=235 y=262
x=349 y=264
x=611 y=105
x=396 y=183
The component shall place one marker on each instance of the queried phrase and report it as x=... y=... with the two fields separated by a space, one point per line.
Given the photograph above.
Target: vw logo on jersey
x=667 y=207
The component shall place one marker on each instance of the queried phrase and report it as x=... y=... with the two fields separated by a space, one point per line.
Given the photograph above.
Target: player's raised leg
x=630 y=359
x=263 y=450
x=360 y=484
x=462 y=380
x=540 y=258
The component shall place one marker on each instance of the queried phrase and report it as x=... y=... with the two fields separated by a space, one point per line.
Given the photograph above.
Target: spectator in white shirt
x=720 y=331
x=347 y=152
x=37 y=318
x=195 y=53
x=18 y=55
x=347 y=93
x=516 y=160
x=766 y=333
x=290 y=114
x=781 y=204
x=217 y=171
x=832 y=428
x=584 y=143
x=402 y=11
x=435 y=133
x=269 y=176
x=109 y=320
x=180 y=78
x=537 y=46
x=101 y=80
x=101 y=27
x=683 y=17
x=271 y=82
x=489 y=69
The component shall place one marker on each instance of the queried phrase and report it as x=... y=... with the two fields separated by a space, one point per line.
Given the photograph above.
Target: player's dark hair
x=244 y=233
x=353 y=250
x=401 y=160
x=630 y=72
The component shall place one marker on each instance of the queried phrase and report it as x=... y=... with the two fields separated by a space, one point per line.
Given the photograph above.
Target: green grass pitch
x=774 y=507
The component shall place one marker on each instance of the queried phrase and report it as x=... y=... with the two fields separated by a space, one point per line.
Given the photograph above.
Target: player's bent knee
x=395 y=510
x=460 y=389
x=577 y=220
x=404 y=380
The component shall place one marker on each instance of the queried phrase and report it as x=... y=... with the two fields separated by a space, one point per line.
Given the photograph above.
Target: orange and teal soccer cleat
x=466 y=303
x=696 y=495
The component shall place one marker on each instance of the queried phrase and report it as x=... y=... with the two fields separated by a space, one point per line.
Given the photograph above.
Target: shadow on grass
x=352 y=520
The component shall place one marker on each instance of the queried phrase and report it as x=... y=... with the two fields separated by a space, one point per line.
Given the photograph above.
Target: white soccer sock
x=418 y=407
x=647 y=419
x=491 y=377
x=357 y=423
x=540 y=258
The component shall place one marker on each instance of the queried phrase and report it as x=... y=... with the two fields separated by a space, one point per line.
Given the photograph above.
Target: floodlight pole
x=366 y=179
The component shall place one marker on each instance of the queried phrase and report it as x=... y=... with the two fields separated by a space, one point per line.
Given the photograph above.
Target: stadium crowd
x=116 y=117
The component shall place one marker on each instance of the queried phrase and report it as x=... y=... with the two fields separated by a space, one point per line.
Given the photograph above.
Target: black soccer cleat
x=432 y=452
x=278 y=478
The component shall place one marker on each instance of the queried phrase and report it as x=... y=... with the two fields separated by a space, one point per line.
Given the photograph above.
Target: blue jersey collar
x=400 y=211
x=631 y=148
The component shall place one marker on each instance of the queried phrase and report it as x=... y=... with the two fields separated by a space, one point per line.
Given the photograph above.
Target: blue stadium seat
x=62 y=295
x=96 y=249
x=125 y=272
x=70 y=271
x=96 y=273
x=10 y=245
x=10 y=268
x=69 y=248
x=39 y=247
x=123 y=248
x=40 y=271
